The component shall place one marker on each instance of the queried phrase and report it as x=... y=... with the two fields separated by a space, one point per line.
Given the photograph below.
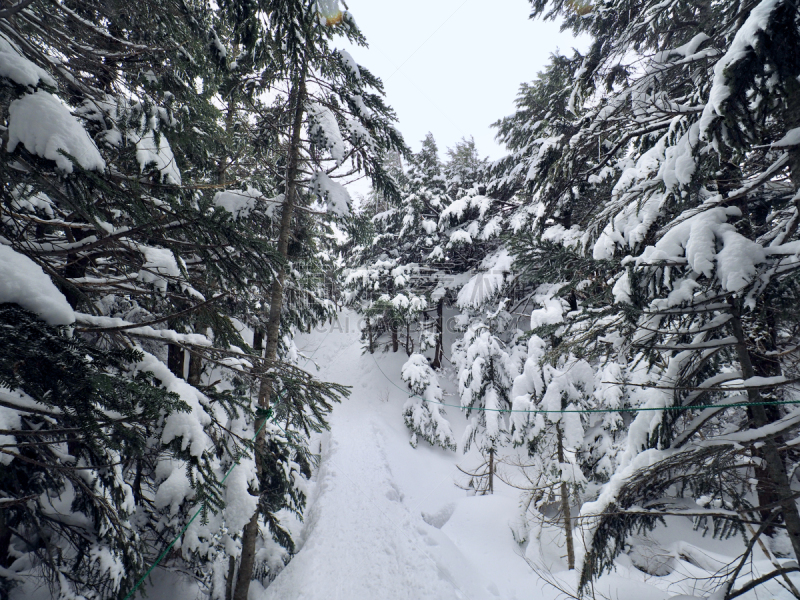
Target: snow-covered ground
x=387 y=521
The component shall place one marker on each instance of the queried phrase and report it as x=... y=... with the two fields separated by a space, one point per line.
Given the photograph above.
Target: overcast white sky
x=453 y=67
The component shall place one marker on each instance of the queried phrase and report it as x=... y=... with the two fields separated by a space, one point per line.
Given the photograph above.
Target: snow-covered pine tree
x=369 y=291
x=555 y=439
x=486 y=373
x=565 y=291
x=464 y=169
x=412 y=248
x=392 y=278
x=152 y=264
x=72 y=416
x=688 y=136
x=101 y=186
x=422 y=412
x=428 y=232
x=424 y=197
x=533 y=183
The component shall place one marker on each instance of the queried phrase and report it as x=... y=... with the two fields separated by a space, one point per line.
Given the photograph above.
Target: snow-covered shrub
x=485 y=376
x=422 y=413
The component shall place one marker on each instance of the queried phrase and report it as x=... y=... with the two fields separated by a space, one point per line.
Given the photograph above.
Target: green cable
x=199 y=510
x=588 y=410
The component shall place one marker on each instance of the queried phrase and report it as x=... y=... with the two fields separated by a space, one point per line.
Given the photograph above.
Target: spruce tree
x=664 y=160
x=422 y=412
x=121 y=200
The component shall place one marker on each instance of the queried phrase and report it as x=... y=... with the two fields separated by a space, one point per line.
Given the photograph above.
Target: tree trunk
x=195 y=369
x=369 y=333
x=258 y=346
x=565 y=508
x=258 y=342
x=408 y=339
x=249 y=536
x=775 y=469
x=439 y=351
x=265 y=391
x=395 y=340
x=230 y=579
x=175 y=358
x=766 y=366
x=491 y=471
x=74 y=269
x=5 y=540
x=793 y=121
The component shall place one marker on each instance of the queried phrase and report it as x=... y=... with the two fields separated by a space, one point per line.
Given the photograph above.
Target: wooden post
x=395 y=340
x=565 y=509
x=438 y=353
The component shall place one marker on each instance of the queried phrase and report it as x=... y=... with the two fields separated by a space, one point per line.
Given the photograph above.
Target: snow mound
x=24 y=282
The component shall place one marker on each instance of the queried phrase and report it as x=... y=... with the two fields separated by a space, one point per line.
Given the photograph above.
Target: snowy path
x=362 y=541
x=386 y=522
x=365 y=537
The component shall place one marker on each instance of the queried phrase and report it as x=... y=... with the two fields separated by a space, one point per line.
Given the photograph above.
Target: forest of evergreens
x=615 y=300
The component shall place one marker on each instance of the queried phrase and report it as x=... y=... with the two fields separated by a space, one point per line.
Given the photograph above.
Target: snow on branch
x=47 y=128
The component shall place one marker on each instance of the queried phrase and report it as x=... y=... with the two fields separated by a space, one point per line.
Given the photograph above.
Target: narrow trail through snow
x=364 y=536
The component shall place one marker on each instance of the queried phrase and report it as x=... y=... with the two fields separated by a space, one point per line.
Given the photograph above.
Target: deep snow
x=387 y=521
x=366 y=534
